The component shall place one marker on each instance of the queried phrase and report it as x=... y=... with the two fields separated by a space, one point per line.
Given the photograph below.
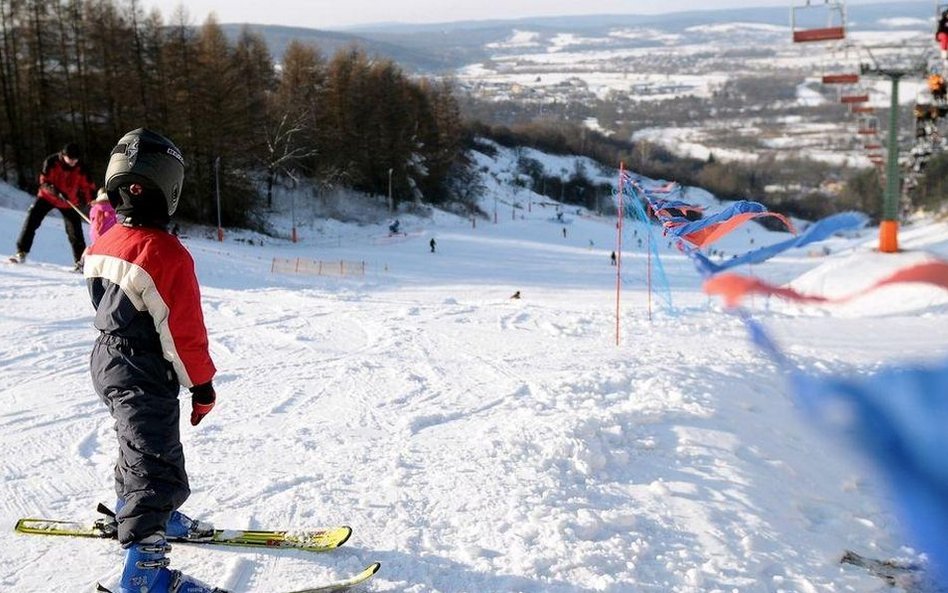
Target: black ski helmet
x=151 y=160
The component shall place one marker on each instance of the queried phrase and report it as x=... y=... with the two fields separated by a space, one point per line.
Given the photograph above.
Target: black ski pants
x=34 y=218
x=141 y=391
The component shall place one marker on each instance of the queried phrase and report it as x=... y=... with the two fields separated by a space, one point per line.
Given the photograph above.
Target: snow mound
x=848 y=276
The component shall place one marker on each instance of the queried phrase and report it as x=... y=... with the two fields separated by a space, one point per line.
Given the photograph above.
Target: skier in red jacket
x=152 y=342
x=64 y=185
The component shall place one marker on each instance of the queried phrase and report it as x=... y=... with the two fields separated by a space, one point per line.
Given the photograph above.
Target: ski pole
x=62 y=197
x=78 y=211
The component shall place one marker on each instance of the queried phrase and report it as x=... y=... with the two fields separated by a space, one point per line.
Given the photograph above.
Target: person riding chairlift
x=941 y=34
x=937 y=86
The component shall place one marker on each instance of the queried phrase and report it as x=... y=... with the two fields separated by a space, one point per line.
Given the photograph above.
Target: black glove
x=55 y=191
x=202 y=402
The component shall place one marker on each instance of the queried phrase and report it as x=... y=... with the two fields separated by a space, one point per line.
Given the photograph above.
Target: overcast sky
x=326 y=14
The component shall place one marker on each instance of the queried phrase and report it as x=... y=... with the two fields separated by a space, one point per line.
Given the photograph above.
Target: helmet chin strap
x=142 y=206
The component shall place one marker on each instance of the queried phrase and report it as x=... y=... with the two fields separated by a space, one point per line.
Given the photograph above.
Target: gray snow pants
x=141 y=391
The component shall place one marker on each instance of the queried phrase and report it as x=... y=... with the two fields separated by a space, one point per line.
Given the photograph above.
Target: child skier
x=101 y=218
x=101 y=215
x=152 y=341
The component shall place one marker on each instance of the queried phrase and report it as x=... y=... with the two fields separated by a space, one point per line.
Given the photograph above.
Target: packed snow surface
x=476 y=443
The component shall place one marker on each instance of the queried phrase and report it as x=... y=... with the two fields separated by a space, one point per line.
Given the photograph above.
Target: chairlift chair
x=868 y=126
x=838 y=67
x=855 y=108
x=840 y=78
x=850 y=99
x=808 y=29
x=852 y=94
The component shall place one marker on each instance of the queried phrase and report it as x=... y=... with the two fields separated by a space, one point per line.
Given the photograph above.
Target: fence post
x=217 y=192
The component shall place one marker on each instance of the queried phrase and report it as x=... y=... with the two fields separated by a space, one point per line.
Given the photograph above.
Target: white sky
x=323 y=14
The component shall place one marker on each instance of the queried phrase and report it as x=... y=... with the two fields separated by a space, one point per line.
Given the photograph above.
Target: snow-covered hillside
x=557 y=64
x=475 y=443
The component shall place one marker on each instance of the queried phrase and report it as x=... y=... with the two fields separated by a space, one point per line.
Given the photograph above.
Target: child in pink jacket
x=101 y=215
x=101 y=219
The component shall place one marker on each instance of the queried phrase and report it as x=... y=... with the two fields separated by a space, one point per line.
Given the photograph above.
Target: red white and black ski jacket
x=144 y=289
x=71 y=181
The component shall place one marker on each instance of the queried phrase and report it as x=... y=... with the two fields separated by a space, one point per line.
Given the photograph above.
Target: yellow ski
x=314 y=540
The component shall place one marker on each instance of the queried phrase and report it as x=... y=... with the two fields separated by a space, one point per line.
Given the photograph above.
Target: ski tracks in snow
x=474 y=444
x=51 y=422
x=500 y=462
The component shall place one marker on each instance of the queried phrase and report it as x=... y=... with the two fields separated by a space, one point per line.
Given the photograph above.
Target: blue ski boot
x=179 y=527
x=146 y=570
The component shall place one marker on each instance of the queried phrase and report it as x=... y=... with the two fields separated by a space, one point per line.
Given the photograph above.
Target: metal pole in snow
x=889 y=226
x=217 y=190
x=293 y=214
x=648 y=270
x=391 y=203
x=619 y=248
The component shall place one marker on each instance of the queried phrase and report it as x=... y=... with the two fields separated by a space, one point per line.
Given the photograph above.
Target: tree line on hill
x=726 y=180
x=802 y=187
x=90 y=70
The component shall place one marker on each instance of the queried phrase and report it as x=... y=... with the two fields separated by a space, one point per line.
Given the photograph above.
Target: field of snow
x=476 y=444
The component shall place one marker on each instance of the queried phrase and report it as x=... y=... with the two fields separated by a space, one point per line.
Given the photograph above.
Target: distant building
x=783 y=188
x=648 y=88
x=832 y=186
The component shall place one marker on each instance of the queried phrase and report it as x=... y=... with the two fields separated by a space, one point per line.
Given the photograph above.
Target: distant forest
x=90 y=70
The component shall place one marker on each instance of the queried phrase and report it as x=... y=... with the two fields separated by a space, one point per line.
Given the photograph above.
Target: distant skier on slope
x=152 y=341
x=937 y=86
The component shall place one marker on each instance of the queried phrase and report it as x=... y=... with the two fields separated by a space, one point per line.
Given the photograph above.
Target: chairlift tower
x=893 y=70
